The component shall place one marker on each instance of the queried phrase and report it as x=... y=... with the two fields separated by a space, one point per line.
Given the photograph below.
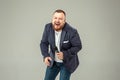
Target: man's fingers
x=50 y=58
x=60 y=55
x=47 y=61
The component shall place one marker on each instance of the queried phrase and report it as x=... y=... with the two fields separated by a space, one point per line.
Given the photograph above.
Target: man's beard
x=57 y=29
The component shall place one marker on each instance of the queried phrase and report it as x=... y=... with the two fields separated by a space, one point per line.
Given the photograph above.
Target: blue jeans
x=52 y=72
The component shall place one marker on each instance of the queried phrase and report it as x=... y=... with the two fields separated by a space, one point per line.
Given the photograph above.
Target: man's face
x=58 y=21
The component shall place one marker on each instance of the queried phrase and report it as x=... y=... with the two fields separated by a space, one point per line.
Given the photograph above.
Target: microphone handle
x=56 y=50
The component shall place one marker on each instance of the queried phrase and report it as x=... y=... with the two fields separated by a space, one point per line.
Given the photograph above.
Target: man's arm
x=44 y=43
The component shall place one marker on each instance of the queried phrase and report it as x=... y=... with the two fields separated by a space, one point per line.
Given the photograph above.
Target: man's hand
x=60 y=55
x=47 y=60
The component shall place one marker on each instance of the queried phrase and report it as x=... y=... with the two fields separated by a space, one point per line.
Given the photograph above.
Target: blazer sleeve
x=44 y=42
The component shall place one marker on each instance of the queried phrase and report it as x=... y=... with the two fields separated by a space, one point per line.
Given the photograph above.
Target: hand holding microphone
x=59 y=54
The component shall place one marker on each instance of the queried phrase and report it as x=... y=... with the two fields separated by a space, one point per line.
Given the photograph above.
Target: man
x=59 y=46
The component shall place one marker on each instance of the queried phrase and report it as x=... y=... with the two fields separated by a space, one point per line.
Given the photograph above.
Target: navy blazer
x=70 y=44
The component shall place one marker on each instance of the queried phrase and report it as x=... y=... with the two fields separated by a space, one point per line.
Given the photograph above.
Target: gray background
x=21 y=26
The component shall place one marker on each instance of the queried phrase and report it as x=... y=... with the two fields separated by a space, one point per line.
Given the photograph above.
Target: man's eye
x=55 y=18
x=60 y=19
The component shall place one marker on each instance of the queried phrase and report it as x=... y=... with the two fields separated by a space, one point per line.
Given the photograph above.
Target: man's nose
x=57 y=20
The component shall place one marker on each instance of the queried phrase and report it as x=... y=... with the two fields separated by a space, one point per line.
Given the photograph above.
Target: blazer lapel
x=52 y=38
x=62 y=37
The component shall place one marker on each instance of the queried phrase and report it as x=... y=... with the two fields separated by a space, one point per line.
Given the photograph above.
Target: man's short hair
x=60 y=11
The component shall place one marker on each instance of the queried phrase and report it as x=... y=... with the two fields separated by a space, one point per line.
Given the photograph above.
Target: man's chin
x=57 y=28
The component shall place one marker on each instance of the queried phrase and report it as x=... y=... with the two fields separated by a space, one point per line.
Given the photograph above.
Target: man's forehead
x=58 y=14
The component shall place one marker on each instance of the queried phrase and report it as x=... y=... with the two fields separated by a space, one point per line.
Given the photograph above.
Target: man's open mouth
x=57 y=24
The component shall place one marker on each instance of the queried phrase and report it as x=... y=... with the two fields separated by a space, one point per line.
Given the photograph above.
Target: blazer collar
x=62 y=37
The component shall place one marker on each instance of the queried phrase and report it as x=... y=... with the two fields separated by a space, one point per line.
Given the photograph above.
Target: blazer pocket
x=66 y=45
x=66 y=41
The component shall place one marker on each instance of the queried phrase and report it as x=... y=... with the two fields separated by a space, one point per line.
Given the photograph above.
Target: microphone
x=56 y=50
